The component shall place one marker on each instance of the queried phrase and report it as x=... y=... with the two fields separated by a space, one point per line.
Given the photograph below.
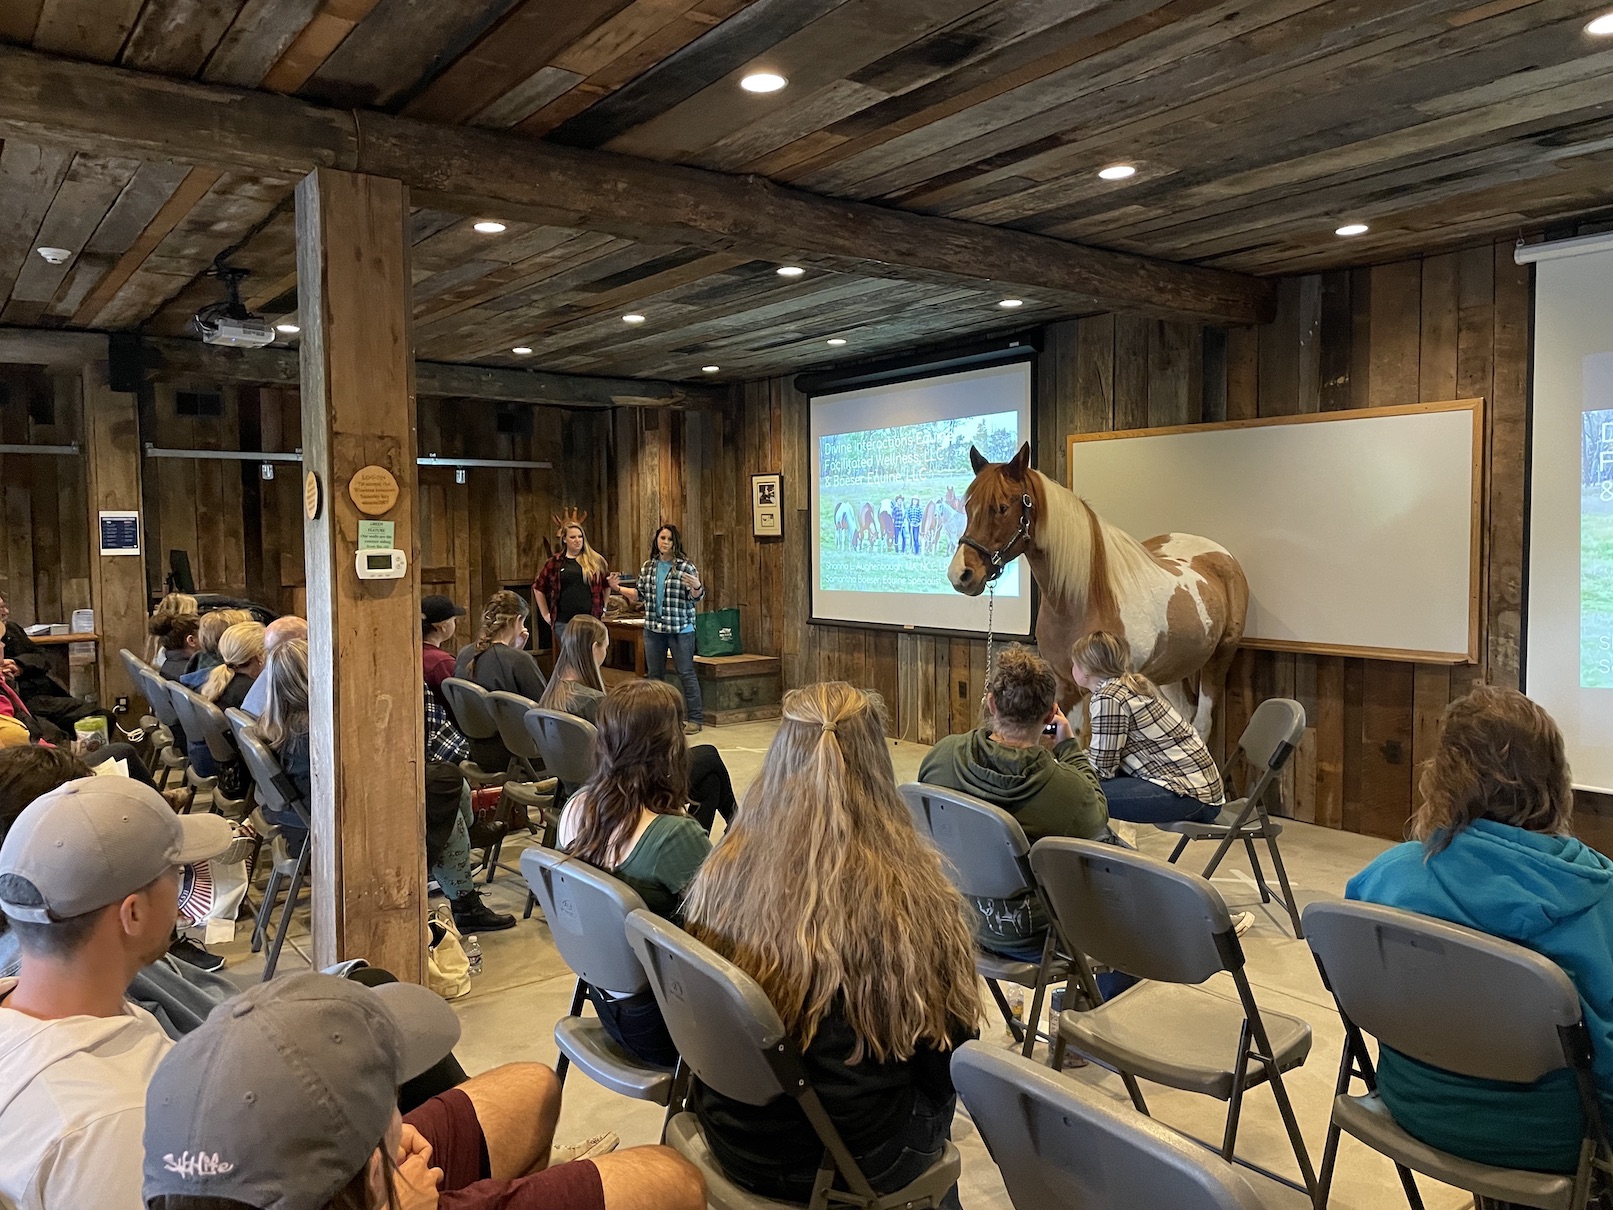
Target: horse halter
x=1001 y=558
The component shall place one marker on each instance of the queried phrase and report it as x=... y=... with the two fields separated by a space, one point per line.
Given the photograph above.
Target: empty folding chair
x=1169 y=927
x=731 y=1037
x=171 y=755
x=587 y=910
x=566 y=747
x=1268 y=742
x=275 y=793
x=988 y=857
x=205 y=722
x=1063 y=1146
x=1464 y=1002
x=490 y=759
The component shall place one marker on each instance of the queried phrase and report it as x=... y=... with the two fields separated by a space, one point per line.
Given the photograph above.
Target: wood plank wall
x=44 y=525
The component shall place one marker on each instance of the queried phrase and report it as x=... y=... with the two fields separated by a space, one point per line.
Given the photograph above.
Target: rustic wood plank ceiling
x=1256 y=128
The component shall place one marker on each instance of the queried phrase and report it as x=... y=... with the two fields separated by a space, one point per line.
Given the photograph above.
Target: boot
x=484 y=834
x=471 y=915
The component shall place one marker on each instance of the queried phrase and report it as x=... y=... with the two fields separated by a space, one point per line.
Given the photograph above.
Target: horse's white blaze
x=955 y=569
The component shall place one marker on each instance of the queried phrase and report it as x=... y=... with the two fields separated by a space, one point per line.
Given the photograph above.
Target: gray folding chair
x=988 y=857
x=731 y=1037
x=587 y=911
x=1169 y=927
x=275 y=793
x=565 y=743
x=490 y=759
x=132 y=665
x=1464 y=1002
x=1063 y=1146
x=205 y=722
x=171 y=756
x=1268 y=742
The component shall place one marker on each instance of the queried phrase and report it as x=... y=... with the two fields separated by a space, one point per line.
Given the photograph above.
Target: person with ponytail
x=176 y=637
x=497 y=660
x=575 y=581
x=174 y=605
x=823 y=892
x=240 y=650
x=210 y=630
x=631 y=819
x=1155 y=767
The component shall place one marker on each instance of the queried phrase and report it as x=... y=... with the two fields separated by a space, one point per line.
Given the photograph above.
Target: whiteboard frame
x=1476 y=540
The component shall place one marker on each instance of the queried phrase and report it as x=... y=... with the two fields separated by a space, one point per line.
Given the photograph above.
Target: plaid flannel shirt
x=547 y=586
x=1147 y=738
x=678 y=616
x=443 y=740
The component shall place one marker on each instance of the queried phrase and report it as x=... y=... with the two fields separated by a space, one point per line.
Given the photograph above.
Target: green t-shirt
x=663 y=863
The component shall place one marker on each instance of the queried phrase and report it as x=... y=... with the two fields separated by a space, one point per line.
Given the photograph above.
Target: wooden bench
x=733 y=688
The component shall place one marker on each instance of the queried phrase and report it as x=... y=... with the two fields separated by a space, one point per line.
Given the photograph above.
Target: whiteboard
x=1358 y=530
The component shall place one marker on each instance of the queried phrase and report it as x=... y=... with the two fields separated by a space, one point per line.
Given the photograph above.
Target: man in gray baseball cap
x=89 y=881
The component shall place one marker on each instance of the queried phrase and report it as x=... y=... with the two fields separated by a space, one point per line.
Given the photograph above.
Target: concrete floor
x=510 y=1013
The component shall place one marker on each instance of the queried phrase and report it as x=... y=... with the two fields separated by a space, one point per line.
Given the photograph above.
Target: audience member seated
x=632 y=820
x=174 y=605
x=176 y=992
x=824 y=892
x=438 y=621
x=281 y=630
x=1155 y=767
x=496 y=660
x=283 y=728
x=576 y=685
x=177 y=642
x=208 y=633
x=89 y=882
x=1025 y=761
x=27 y=668
x=288 y=1102
x=1493 y=849
x=241 y=650
x=448 y=823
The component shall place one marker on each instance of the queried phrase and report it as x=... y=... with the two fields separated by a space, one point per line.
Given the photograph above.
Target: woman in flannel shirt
x=1154 y=765
x=669 y=586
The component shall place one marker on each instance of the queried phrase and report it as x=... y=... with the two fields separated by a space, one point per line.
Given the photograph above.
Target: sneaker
x=1243 y=922
x=471 y=915
x=188 y=951
x=600 y=1144
x=691 y=728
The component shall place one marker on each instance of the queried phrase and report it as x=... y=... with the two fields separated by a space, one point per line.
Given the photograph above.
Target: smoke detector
x=56 y=256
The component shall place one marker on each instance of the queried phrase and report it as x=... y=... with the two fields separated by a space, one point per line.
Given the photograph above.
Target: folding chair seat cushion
x=584 y=1041
x=1181 y=1036
x=1217 y=827
x=1368 y=1119
x=1011 y=970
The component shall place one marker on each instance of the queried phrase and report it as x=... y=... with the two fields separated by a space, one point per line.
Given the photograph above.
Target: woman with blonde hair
x=824 y=893
x=575 y=581
x=1493 y=849
x=576 y=685
x=210 y=630
x=497 y=659
x=1154 y=766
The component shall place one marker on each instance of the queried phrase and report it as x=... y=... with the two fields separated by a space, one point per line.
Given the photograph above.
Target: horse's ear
x=977 y=460
x=1021 y=462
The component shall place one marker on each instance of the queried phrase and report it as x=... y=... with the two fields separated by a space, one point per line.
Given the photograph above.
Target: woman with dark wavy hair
x=1493 y=849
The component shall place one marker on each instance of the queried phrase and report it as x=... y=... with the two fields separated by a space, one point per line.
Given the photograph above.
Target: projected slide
x=1596 y=526
x=890 y=467
x=890 y=502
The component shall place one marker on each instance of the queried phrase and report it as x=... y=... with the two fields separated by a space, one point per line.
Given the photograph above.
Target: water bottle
x=473 y=951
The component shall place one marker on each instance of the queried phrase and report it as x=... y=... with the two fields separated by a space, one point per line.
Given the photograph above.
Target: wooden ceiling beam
x=112 y=111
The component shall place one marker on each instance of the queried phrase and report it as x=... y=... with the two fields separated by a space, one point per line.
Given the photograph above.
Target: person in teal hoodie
x=1025 y=761
x=1493 y=850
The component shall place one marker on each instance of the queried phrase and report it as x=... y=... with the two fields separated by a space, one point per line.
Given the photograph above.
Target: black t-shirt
x=575 y=595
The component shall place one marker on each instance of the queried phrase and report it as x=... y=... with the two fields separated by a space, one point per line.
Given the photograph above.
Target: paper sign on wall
x=376 y=535
x=120 y=533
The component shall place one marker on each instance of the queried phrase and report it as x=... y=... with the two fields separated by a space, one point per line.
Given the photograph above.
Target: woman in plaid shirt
x=669 y=585
x=1154 y=765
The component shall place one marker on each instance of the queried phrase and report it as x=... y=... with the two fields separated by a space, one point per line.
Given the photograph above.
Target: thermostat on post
x=380 y=564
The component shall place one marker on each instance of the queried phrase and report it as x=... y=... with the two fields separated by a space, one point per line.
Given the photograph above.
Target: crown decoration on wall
x=569 y=517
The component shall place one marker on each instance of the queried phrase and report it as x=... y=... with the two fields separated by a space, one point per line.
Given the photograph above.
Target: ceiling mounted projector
x=230 y=323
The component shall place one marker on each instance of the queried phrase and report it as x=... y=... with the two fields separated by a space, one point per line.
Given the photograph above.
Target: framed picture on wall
x=767 y=506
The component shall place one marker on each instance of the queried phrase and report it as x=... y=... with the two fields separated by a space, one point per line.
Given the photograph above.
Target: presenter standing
x=575 y=581
x=669 y=586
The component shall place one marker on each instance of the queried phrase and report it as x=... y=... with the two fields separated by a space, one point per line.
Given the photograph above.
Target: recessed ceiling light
x=632 y=319
x=1352 y=229
x=836 y=340
x=1010 y=303
x=521 y=350
x=1602 y=26
x=488 y=227
x=1117 y=172
x=288 y=329
x=709 y=369
x=763 y=81
x=790 y=270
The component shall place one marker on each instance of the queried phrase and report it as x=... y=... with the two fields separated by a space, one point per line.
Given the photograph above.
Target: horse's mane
x=1074 y=536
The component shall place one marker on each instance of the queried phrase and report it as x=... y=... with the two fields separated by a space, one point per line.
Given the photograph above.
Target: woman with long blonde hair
x=1154 y=766
x=823 y=892
x=208 y=632
x=575 y=581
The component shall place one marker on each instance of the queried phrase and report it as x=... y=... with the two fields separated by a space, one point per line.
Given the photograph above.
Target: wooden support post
x=365 y=705
x=117 y=582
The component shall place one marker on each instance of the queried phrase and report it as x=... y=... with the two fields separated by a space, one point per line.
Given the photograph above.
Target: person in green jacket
x=1025 y=761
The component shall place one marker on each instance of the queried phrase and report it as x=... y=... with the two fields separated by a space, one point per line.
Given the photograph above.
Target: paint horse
x=1178 y=599
x=845 y=524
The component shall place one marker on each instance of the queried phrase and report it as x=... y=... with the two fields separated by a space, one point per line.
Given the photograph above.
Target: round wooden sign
x=373 y=489
x=312 y=497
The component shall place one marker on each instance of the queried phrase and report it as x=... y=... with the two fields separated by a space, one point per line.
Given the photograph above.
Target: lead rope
x=991 y=640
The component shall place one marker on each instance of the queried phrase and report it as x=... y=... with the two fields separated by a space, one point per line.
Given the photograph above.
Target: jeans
x=1137 y=800
x=656 y=646
x=636 y=1025
x=913 y=539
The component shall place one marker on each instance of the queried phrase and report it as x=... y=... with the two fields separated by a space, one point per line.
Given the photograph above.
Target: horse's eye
x=1001 y=508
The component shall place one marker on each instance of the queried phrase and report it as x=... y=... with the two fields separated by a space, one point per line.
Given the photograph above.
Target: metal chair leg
x=292 y=891
x=1181 y=846
x=1282 y=880
x=260 y=926
x=1254 y=865
x=578 y=995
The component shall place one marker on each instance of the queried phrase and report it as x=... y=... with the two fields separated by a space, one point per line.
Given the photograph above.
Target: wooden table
x=61 y=640
x=626 y=649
